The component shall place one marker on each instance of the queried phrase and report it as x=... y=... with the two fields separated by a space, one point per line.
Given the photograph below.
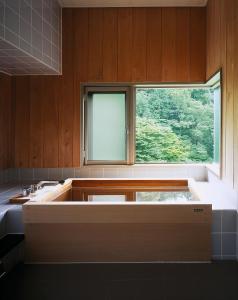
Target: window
x=152 y=124
x=174 y=125
x=106 y=126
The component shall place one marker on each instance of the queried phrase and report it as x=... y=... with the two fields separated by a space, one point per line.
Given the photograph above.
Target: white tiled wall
x=197 y=172
x=30 y=37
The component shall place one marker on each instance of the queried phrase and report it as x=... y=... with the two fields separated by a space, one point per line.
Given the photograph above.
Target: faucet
x=26 y=191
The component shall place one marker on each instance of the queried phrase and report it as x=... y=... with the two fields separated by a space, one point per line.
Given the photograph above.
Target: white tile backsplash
x=136 y=171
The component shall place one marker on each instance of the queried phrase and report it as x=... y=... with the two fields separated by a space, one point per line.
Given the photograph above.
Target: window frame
x=130 y=123
x=130 y=89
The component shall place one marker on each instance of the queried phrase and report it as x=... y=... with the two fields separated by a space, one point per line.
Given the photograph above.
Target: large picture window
x=153 y=124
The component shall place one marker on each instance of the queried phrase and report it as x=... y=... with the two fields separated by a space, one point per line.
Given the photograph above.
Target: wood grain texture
x=36 y=122
x=84 y=213
x=169 y=232
x=109 y=233
x=22 y=122
x=222 y=40
x=197 y=44
x=50 y=123
x=102 y=45
x=117 y=243
x=125 y=38
x=182 y=44
x=169 y=45
x=132 y=182
x=6 y=118
x=110 y=42
x=139 y=45
x=235 y=114
x=80 y=71
x=154 y=44
x=65 y=96
x=95 y=50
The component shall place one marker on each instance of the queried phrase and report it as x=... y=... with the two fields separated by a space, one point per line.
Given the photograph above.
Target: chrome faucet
x=26 y=191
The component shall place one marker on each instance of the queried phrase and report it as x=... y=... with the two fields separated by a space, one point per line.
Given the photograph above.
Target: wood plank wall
x=6 y=136
x=222 y=52
x=103 y=45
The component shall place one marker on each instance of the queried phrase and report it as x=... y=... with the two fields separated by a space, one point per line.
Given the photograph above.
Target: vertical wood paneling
x=50 y=124
x=65 y=94
x=22 y=122
x=110 y=42
x=230 y=93
x=139 y=45
x=125 y=36
x=235 y=165
x=182 y=45
x=80 y=71
x=102 y=45
x=36 y=122
x=169 y=44
x=6 y=134
x=222 y=63
x=80 y=44
x=222 y=49
x=210 y=36
x=197 y=44
x=154 y=43
x=95 y=59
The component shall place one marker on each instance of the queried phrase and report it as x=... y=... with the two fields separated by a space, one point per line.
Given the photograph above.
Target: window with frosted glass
x=106 y=126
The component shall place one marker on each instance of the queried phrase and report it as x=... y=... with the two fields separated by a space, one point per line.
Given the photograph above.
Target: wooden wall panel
x=65 y=96
x=80 y=71
x=125 y=36
x=50 y=124
x=22 y=121
x=169 y=44
x=139 y=45
x=222 y=49
x=182 y=45
x=229 y=159
x=154 y=42
x=6 y=134
x=235 y=96
x=197 y=44
x=110 y=40
x=103 y=45
x=95 y=60
x=36 y=122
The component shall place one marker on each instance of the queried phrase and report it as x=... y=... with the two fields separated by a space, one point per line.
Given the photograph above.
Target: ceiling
x=131 y=3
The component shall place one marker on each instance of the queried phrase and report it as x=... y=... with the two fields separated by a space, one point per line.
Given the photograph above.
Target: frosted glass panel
x=106 y=126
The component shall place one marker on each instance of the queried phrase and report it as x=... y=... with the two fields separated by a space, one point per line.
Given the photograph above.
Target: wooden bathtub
x=64 y=226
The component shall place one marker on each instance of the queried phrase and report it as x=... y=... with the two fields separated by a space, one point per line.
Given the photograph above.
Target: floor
x=216 y=281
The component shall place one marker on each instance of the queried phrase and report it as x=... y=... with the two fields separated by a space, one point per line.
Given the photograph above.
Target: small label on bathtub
x=198 y=210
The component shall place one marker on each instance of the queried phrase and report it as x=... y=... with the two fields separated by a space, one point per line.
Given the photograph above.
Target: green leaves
x=174 y=125
x=158 y=143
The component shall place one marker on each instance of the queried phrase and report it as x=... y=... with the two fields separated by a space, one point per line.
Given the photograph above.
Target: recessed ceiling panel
x=131 y=3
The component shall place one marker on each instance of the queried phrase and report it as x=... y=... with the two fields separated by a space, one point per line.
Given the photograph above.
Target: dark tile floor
x=216 y=281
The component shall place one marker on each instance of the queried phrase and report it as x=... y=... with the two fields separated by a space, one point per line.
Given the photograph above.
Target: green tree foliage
x=174 y=125
x=155 y=142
